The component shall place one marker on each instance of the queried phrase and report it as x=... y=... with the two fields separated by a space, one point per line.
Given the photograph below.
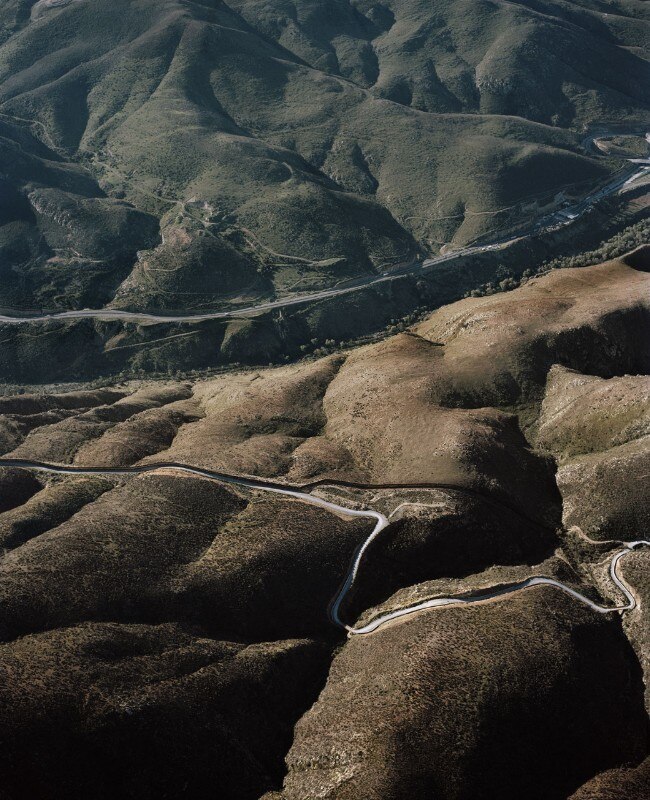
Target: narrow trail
x=381 y=522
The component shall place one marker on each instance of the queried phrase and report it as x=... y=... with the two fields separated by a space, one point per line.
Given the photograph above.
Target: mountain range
x=183 y=154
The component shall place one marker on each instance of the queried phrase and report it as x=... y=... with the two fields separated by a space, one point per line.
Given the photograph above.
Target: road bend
x=381 y=522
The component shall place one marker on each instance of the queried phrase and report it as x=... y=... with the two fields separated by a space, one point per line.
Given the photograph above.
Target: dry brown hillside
x=165 y=634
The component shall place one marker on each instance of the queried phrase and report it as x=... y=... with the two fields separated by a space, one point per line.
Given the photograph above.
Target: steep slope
x=464 y=703
x=599 y=432
x=96 y=700
x=165 y=633
x=281 y=145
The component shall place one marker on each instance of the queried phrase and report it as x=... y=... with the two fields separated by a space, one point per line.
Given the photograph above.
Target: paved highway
x=537 y=580
x=564 y=216
x=381 y=522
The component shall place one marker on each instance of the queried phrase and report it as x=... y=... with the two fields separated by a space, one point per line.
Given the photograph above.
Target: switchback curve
x=381 y=522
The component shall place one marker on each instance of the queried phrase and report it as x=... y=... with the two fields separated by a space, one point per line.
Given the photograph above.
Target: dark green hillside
x=294 y=144
x=63 y=241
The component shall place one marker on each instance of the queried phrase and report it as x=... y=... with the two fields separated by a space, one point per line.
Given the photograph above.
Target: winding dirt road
x=381 y=522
